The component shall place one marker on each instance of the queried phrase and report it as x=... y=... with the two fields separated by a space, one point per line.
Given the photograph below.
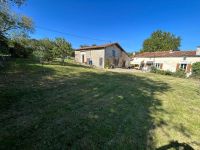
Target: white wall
x=169 y=63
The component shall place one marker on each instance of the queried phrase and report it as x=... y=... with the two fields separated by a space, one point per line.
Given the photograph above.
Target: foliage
x=161 y=41
x=84 y=45
x=19 y=50
x=3 y=45
x=14 y=2
x=62 y=48
x=129 y=54
x=153 y=69
x=196 y=70
x=11 y=21
x=107 y=63
x=179 y=73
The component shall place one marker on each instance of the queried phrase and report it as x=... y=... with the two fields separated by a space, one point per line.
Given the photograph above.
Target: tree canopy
x=10 y=21
x=161 y=41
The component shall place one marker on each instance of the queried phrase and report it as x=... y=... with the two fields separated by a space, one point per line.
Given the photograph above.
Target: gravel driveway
x=124 y=70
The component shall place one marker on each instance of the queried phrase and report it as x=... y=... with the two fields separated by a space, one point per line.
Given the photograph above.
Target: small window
x=113 y=53
x=158 y=65
x=184 y=58
x=183 y=66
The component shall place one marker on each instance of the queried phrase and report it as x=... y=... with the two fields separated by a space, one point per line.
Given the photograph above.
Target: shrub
x=153 y=69
x=180 y=73
x=38 y=55
x=107 y=63
x=19 y=50
x=169 y=73
x=196 y=70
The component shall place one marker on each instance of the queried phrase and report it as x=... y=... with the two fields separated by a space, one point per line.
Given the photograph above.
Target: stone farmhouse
x=103 y=55
x=166 y=60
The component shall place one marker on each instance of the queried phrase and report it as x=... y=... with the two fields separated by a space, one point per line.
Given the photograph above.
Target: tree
x=3 y=45
x=196 y=70
x=20 y=47
x=84 y=45
x=63 y=48
x=161 y=41
x=10 y=20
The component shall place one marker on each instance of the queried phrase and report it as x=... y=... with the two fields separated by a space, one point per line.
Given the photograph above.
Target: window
x=184 y=58
x=113 y=53
x=158 y=65
x=183 y=66
x=100 y=61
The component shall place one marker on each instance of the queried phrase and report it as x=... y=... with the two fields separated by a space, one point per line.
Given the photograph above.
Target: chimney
x=198 y=51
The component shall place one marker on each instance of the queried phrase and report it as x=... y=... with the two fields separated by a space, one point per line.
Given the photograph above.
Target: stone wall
x=93 y=55
x=120 y=59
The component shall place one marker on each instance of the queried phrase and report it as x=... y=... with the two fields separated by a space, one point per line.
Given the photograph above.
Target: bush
x=3 y=45
x=180 y=73
x=153 y=69
x=107 y=63
x=38 y=55
x=169 y=73
x=196 y=70
x=19 y=51
x=162 y=72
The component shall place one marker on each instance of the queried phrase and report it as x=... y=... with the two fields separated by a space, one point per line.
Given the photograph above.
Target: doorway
x=83 y=58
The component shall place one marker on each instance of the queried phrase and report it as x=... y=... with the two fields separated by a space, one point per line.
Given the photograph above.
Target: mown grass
x=75 y=107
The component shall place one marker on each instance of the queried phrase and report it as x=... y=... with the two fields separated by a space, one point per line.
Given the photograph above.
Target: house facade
x=103 y=55
x=166 y=60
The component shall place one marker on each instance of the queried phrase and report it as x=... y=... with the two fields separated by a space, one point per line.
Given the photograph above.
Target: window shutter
x=189 y=66
x=161 y=66
x=177 y=67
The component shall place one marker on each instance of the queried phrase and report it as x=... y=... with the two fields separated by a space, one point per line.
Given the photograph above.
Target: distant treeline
x=44 y=49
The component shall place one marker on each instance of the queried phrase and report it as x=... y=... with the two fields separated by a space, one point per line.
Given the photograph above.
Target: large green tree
x=11 y=21
x=62 y=48
x=161 y=41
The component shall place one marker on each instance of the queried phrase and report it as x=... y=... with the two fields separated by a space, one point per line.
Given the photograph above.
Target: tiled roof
x=100 y=47
x=167 y=54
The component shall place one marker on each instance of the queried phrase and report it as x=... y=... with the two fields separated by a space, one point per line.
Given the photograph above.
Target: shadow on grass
x=68 y=64
x=89 y=110
x=176 y=145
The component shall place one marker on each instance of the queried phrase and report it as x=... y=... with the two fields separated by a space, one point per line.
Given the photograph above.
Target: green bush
x=180 y=73
x=169 y=73
x=38 y=55
x=196 y=70
x=107 y=63
x=19 y=51
x=162 y=72
x=153 y=69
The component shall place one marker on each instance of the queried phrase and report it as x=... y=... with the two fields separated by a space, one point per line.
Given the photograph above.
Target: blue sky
x=128 y=22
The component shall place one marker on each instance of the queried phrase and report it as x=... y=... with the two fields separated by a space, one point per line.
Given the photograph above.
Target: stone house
x=103 y=55
x=166 y=60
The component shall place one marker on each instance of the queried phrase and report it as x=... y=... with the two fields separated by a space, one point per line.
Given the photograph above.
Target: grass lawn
x=75 y=107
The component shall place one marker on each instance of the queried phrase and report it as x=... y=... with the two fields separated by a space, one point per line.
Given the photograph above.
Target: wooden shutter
x=161 y=66
x=188 y=69
x=177 y=67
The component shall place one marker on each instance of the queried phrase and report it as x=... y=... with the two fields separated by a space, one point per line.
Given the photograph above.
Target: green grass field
x=75 y=107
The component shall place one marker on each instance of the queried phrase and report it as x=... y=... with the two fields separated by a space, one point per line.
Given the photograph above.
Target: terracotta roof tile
x=100 y=47
x=167 y=54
